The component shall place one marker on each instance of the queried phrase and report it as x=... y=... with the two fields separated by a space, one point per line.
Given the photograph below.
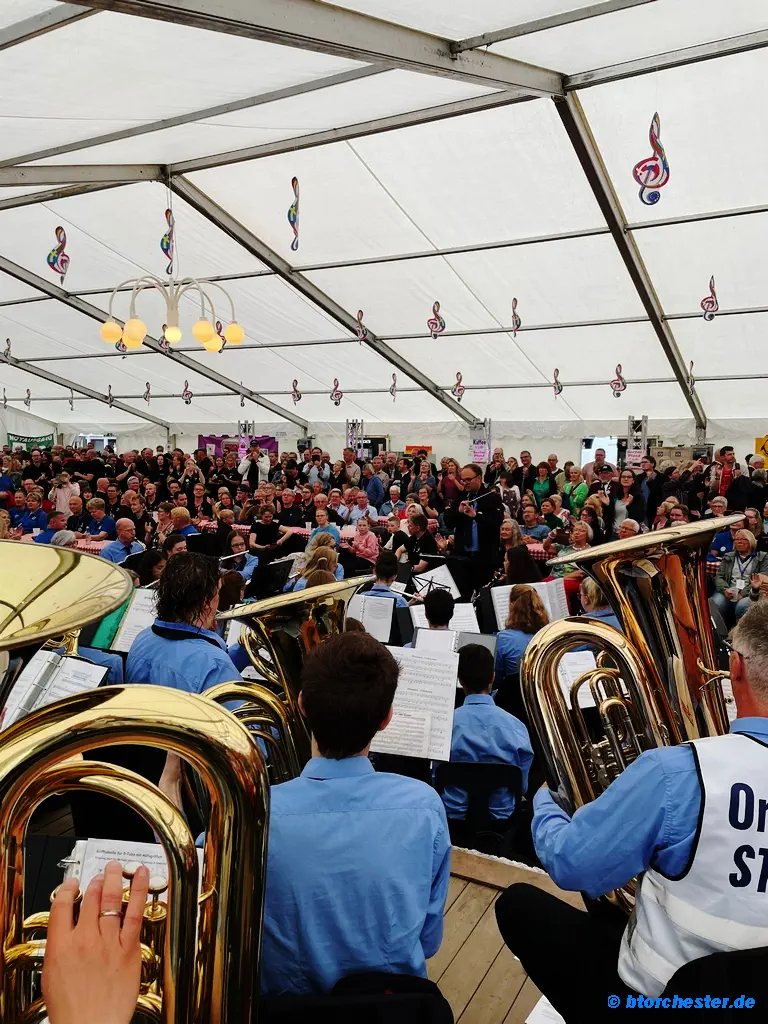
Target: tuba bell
x=199 y=958
x=656 y=684
x=277 y=635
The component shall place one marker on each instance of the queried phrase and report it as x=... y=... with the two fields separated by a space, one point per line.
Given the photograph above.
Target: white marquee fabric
x=503 y=189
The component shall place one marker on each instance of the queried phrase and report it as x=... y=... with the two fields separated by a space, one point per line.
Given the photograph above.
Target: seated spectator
x=628 y=528
x=324 y=526
x=18 y=510
x=679 y=514
x=420 y=542
x=754 y=523
x=151 y=567
x=661 y=520
x=396 y=538
x=182 y=522
x=526 y=616
x=244 y=563
x=394 y=504
x=56 y=521
x=549 y=514
x=592 y=514
x=533 y=530
x=125 y=545
x=723 y=542
x=519 y=567
x=386 y=574
x=509 y=537
x=426 y=500
x=5 y=525
x=320 y=924
x=101 y=526
x=33 y=518
x=717 y=508
x=362 y=509
x=79 y=516
x=64 y=539
x=595 y=604
x=360 y=556
x=740 y=576
x=486 y=733
x=580 y=540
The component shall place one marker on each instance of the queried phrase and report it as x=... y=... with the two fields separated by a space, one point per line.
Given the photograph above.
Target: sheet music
x=544 y=1013
x=140 y=615
x=399 y=588
x=463 y=620
x=571 y=666
x=234 y=631
x=440 y=575
x=426 y=690
x=73 y=676
x=28 y=687
x=99 y=852
x=436 y=640
x=552 y=596
x=375 y=614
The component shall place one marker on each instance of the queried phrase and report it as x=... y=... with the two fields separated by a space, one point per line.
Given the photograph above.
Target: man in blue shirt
x=691 y=818
x=125 y=545
x=394 y=505
x=372 y=485
x=18 y=509
x=182 y=649
x=532 y=530
x=358 y=860
x=101 y=526
x=56 y=521
x=484 y=732
x=386 y=574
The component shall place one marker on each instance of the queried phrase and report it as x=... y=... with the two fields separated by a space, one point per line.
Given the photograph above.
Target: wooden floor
x=475 y=971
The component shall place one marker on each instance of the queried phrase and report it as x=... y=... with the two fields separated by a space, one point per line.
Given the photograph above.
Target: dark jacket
x=489 y=517
x=654 y=495
x=523 y=479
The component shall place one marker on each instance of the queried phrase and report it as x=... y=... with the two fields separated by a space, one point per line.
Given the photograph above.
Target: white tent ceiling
x=467 y=180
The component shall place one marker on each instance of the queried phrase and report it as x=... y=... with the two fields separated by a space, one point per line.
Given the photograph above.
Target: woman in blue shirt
x=526 y=617
x=234 y=544
x=34 y=518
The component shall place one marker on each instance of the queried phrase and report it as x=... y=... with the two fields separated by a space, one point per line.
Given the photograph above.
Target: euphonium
x=200 y=962
x=287 y=627
x=656 y=684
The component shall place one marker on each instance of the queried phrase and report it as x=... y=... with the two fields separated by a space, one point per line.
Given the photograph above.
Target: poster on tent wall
x=223 y=445
x=411 y=449
x=479 y=450
x=28 y=443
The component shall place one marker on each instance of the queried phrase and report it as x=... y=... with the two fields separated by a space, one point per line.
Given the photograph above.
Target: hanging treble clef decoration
x=360 y=329
x=242 y=397
x=147 y=395
x=295 y=393
x=71 y=400
x=293 y=214
x=691 y=379
x=28 y=399
x=121 y=348
x=556 y=385
x=618 y=384
x=186 y=394
x=163 y=342
x=110 y=397
x=517 y=323
x=57 y=258
x=436 y=324
x=7 y=350
x=710 y=305
x=652 y=173
x=458 y=388
x=393 y=387
x=336 y=395
x=166 y=242
x=220 y=332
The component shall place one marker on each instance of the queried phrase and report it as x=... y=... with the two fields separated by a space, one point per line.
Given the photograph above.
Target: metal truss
x=58 y=16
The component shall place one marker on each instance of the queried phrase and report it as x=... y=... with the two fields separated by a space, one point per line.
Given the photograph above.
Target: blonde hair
x=320 y=540
x=180 y=515
x=594 y=502
x=526 y=611
x=5 y=525
x=750 y=537
x=321 y=558
x=517 y=537
x=591 y=590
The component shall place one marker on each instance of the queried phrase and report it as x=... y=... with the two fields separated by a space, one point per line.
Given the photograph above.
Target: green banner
x=28 y=443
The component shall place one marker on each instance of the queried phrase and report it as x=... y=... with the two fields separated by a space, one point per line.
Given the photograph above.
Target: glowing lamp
x=213 y=344
x=132 y=342
x=111 y=332
x=203 y=331
x=172 y=334
x=234 y=333
x=134 y=331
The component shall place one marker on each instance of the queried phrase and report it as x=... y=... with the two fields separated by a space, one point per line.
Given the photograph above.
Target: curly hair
x=526 y=611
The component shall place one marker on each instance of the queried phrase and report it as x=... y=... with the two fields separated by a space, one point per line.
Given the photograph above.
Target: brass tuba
x=656 y=684
x=277 y=635
x=199 y=961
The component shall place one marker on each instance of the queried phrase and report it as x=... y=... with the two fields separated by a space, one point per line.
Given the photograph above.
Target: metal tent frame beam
x=308 y=25
x=69 y=174
x=63 y=382
x=260 y=99
x=34 y=281
x=39 y=24
x=542 y=24
x=56 y=193
x=577 y=127
x=223 y=220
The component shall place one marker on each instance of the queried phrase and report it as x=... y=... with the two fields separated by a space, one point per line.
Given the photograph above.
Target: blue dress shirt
x=118 y=552
x=388 y=508
x=483 y=732
x=330 y=528
x=510 y=647
x=721 y=543
x=244 y=567
x=30 y=521
x=185 y=531
x=538 y=532
x=45 y=537
x=374 y=488
x=382 y=590
x=357 y=876
x=106 y=525
x=648 y=816
x=16 y=514
x=191 y=665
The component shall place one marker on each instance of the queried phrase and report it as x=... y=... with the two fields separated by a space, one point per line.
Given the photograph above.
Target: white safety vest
x=720 y=901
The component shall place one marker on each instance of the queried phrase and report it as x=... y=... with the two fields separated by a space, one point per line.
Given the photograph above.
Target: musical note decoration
x=296 y=394
x=71 y=399
x=7 y=349
x=186 y=394
x=242 y=397
x=147 y=394
x=517 y=323
x=393 y=387
x=436 y=324
x=120 y=346
x=293 y=214
x=710 y=305
x=361 y=330
x=691 y=381
x=110 y=397
x=163 y=341
x=28 y=399
x=220 y=332
x=618 y=384
x=652 y=173
x=167 y=242
x=557 y=387
x=336 y=395
x=458 y=388
x=57 y=258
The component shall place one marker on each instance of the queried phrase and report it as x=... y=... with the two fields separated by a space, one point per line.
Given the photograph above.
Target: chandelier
x=209 y=332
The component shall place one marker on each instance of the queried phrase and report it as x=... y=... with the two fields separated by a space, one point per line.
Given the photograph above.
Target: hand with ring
x=92 y=969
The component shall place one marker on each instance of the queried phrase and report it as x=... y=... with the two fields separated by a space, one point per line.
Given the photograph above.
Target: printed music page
x=426 y=690
x=377 y=617
x=36 y=675
x=140 y=615
x=436 y=640
x=99 y=852
x=464 y=619
x=552 y=596
x=442 y=576
x=73 y=676
x=571 y=666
